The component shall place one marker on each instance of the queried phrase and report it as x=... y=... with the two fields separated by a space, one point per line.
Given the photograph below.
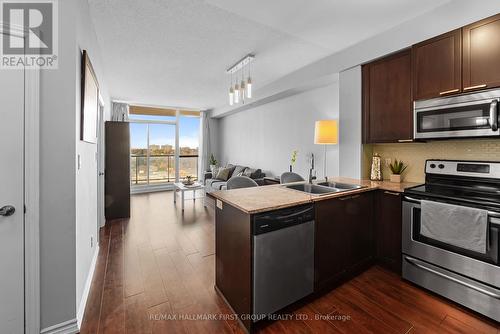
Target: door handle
x=391 y=193
x=494 y=115
x=7 y=210
x=101 y=173
x=420 y=265
x=449 y=91
x=475 y=87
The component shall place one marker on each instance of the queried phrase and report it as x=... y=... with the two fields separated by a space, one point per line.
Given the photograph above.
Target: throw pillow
x=231 y=169
x=237 y=170
x=252 y=173
x=215 y=171
x=248 y=171
x=223 y=174
x=256 y=174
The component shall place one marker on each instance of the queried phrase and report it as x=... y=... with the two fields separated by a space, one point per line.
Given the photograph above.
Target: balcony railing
x=161 y=168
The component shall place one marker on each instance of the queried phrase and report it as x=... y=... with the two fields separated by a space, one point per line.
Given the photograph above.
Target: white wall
x=350 y=147
x=86 y=177
x=67 y=196
x=264 y=137
x=57 y=178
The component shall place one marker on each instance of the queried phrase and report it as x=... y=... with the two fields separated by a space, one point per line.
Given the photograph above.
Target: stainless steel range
x=451 y=228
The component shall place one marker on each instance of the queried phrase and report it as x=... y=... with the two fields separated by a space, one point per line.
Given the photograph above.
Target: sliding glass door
x=161 y=153
x=163 y=149
x=139 y=154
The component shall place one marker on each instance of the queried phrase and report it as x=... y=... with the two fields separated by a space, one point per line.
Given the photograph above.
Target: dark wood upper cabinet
x=481 y=54
x=387 y=99
x=437 y=66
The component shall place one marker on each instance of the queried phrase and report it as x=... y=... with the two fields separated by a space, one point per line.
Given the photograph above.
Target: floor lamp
x=326 y=133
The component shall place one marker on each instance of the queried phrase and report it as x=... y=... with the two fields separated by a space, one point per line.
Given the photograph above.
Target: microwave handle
x=494 y=115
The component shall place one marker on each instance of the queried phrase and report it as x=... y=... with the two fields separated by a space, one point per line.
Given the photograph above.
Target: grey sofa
x=213 y=184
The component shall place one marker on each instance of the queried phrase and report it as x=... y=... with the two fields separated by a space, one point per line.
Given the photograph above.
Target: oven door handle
x=490 y=213
x=494 y=115
x=411 y=199
x=418 y=264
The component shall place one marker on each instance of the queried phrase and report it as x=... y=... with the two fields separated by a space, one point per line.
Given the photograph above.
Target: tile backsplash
x=415 y=154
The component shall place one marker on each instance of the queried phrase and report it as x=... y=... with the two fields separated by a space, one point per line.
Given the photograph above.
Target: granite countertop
x=273 y=197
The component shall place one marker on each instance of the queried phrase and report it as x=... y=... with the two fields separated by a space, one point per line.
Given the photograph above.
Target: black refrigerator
x=117 y=170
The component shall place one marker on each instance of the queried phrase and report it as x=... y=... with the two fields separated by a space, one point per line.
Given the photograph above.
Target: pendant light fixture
x=236 y=93
x=242 y=87
x=249 y=84
x=231 y=92
x=241 y=90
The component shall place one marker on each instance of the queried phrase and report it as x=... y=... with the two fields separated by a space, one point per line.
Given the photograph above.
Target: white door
x=11 y=198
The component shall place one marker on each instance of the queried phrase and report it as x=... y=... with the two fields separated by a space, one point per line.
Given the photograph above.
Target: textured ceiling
x=175 y=52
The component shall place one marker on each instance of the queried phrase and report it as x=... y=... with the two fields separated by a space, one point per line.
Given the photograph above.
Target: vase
x=396 y=178
x=376 y=171
x=213 y=168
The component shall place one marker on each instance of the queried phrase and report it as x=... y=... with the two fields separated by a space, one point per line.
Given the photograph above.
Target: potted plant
x=188 y=180
x=293 y=159
x=397 y=168
x=213 y=163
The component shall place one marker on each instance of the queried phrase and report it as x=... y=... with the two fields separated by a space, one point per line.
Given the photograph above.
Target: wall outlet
x=79 y=162
x=387 y=162
x=91 y=242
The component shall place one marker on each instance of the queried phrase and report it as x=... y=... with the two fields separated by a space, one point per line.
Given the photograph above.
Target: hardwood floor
x=155 y=274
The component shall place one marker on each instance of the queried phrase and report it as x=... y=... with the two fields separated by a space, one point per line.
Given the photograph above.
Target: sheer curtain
x=119 y=112
x=204 y=150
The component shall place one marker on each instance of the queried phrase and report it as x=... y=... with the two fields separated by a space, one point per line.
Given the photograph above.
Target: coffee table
x=178 y=186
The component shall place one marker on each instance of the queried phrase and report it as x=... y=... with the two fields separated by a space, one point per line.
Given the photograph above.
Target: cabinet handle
x=348 y=197
x=449 y=91
x=475 y=87
x=391 y=193
x=405 y=140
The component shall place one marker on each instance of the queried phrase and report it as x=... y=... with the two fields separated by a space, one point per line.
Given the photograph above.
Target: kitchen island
x=343 y=233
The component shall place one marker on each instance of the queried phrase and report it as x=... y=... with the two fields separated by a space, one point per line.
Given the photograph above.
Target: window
x=153 y=154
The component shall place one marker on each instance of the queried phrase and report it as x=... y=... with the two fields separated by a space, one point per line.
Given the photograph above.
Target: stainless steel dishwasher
x=283 y=258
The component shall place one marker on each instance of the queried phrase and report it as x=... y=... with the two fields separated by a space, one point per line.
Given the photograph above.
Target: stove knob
x=440 y=166
x=432 y=165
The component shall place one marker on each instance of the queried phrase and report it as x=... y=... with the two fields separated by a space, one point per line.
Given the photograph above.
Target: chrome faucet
x=311 y=176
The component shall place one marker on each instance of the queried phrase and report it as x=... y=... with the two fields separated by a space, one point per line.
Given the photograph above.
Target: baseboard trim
x=86 y=289
x=67 y=327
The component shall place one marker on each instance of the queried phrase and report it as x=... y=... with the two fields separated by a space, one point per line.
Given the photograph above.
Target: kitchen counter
x=273 y=197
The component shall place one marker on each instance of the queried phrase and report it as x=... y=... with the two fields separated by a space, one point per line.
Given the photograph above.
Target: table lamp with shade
x=326 y=133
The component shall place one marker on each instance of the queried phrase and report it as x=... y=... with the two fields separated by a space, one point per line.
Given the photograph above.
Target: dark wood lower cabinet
x=233 y=259
x=388 y=223
x=330 y=244
x=351 y=233
x=344 y=238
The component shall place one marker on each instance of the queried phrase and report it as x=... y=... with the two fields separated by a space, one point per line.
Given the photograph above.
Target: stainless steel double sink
x=323 y=188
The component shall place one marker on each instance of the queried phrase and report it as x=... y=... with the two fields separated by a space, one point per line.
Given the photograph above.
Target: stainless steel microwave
x=462 y=116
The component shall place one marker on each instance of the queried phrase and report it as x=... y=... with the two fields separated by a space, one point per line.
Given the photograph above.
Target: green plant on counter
x=397 y=167
x=294 y=157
